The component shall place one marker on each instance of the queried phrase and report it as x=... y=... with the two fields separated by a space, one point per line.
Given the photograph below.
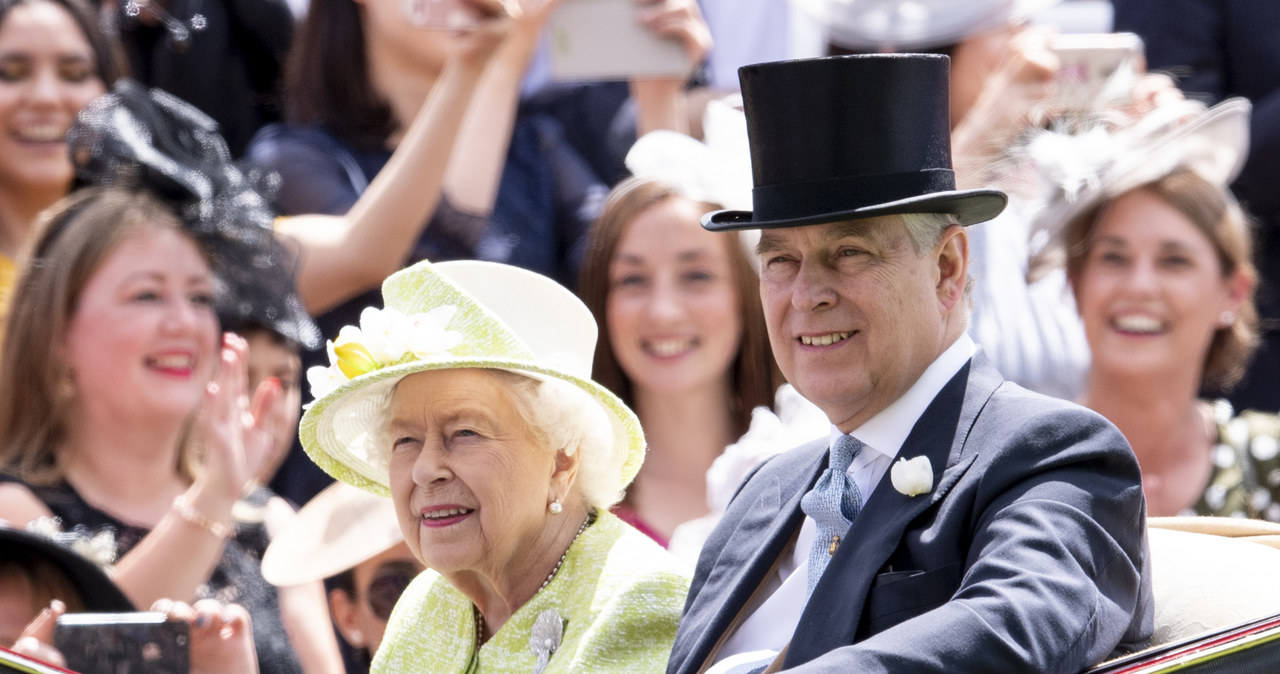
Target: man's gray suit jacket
x=1029 y=554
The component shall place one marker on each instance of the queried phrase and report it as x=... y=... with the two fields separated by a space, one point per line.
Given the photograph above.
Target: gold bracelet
x=189 y=514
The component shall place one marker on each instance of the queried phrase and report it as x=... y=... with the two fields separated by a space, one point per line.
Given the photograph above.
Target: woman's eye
x=699 y=276
x=146 y=296
x=202 y=299
x=1112 y=259
x=629 y=281
x=14 y=70
x=77 y=71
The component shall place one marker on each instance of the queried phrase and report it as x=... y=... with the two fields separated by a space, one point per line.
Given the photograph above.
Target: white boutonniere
x=912 y=477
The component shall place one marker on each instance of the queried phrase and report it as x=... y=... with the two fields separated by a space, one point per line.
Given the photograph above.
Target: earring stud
x=1227 y=319
x=555 y=508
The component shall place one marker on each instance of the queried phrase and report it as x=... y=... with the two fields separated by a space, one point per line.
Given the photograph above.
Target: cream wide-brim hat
x=336 y=530
x=1080 y=170
x=503 y=318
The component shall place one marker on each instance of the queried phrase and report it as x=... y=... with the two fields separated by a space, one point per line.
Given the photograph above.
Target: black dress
x=237 y=577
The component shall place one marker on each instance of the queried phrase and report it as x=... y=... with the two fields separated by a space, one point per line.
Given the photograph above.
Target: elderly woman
x=468 y=400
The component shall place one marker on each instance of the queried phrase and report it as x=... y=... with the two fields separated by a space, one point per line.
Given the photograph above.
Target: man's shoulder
x=1028 y=411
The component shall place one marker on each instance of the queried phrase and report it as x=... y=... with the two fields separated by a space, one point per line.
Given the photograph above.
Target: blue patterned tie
x=832 y=503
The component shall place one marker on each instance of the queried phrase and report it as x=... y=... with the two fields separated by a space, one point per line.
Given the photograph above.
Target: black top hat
x=97 y=591
x=848 y=137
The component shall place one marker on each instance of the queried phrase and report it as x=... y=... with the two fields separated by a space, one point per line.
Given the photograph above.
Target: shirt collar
x=885 y=432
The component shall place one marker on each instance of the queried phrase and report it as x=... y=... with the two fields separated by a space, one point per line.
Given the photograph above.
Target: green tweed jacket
x=618 y=596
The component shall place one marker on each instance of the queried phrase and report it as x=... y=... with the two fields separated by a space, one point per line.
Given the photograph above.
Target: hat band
x=845 y=193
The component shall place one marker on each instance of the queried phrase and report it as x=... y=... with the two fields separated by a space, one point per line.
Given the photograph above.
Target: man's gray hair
x=925 y=229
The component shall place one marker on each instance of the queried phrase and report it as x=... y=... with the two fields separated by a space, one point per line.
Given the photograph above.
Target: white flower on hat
x=324 y=380
x=428 y=336
x=912 y=477
x=384 y=338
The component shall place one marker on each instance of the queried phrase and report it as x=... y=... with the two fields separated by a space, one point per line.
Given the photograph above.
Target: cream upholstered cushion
x=1204 y=582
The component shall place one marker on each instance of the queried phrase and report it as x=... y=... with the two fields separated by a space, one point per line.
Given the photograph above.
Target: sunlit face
x=673 y=305
x=268 y=357
x=143 y=339
x=1151 y=289
x=855 y=316
x=47 y=74
x=470 y=486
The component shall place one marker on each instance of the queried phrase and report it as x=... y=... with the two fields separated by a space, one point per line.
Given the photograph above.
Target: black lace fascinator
x=146 y=138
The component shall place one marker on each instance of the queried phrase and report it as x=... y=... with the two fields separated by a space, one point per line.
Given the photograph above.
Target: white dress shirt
x=773 y=617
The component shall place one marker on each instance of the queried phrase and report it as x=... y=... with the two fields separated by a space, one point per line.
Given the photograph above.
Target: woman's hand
x=37 y=638
x=235 y=432
x=221 y=635
x=680 y=20
x=660 y=101
x=1017 y=95
x=499 y=19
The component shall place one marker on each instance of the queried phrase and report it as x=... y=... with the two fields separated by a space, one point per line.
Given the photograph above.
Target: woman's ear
x=564 y=475
x=1240 y=287
x=342 y=608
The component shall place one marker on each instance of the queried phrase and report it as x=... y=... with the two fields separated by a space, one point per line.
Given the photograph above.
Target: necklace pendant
x=835 y=543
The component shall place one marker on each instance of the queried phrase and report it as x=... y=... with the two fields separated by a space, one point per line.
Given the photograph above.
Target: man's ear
x=952 y=255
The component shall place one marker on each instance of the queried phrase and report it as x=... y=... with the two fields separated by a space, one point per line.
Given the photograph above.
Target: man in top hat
x=952 y=521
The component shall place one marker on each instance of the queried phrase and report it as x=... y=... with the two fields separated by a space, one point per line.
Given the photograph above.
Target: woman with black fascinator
x=121 y=399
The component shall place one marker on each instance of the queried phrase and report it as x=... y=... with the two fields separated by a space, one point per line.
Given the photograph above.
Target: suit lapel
x=768 y=515
x=831 y=617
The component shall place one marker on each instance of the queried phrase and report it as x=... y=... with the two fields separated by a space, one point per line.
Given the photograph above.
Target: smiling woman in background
x=1158 y=254
x=684 y=341
x=122 y=402
x=54 y=59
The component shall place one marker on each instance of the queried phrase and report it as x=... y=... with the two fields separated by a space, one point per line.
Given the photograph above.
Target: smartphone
x=601 y=40
x=1096 y=68
x=122 y=643
x=441 y=14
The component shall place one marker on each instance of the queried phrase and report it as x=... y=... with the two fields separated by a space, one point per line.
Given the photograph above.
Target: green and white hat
x=452 y=315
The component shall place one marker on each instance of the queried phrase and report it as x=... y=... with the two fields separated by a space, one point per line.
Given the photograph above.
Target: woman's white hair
x=563 y=418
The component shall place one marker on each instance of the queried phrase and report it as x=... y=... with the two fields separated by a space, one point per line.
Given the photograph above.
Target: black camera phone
x=123 y=643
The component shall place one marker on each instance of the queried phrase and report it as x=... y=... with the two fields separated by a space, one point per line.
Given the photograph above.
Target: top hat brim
x=968 y=206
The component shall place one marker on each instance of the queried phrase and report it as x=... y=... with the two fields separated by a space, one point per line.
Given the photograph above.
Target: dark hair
x=108 y=56
x=755 y=375
x=327 y=77
x=1215 y=213
x=71 y=243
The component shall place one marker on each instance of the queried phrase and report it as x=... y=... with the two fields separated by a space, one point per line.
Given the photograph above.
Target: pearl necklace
x=591 y=517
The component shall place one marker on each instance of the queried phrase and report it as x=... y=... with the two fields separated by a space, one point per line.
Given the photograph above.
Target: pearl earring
x=555 y=508
x=1227 y=319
